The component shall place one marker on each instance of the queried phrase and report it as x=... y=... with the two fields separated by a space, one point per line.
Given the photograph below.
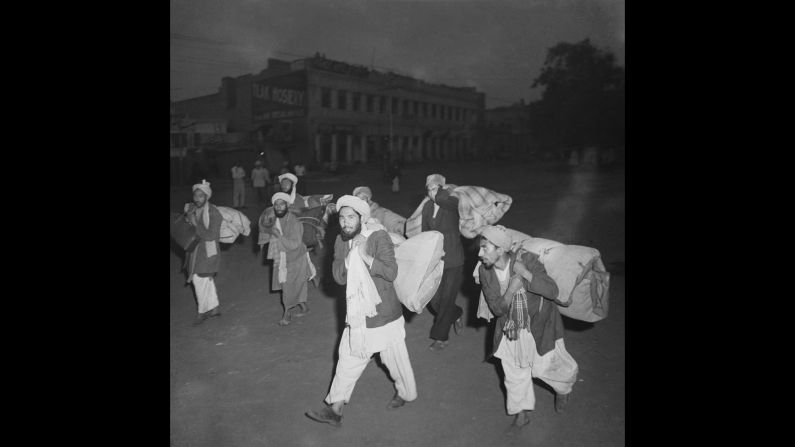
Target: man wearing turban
x=288 y=182
x=292 y=268
x=364 y=261
x=393 y=222
x=528 y=337
x=203 y=262
x=441 y=214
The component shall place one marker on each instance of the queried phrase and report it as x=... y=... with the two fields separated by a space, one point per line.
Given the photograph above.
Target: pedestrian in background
x=441 y=214
x=292 y=268
x=239 y=186
x=260 y=179
x=300 y=171
x=395 y=174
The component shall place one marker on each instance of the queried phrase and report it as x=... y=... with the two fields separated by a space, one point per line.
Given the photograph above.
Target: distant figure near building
x=300 y=171
x=364 y=261
x=395 y=174
x=239 y=186
x=528 y=336
x=204 y=261
x=260 y=179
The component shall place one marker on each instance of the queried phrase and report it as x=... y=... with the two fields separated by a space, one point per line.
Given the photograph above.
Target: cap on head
x=358 y=205
x=280 y=196
x=363 y=190
x=204 y=187
x=497 y=235
x=435 y=179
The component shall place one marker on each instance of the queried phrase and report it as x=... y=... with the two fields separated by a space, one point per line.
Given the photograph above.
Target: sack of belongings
x=583 y=283
x=183 y=233
x=477 y=207
x=420 y=268
x=234 y=224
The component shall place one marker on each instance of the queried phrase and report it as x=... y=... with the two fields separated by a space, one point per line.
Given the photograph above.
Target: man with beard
x=288 y=182
x=203 y=262
x=364 y=261
x=441 y=214
x=292 y=268
x=393 y=222
x=528 y=337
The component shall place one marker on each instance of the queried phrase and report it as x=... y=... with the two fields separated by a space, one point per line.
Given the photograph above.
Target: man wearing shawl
x=203 y=262
x=441 y=214
x=292 y=268
x=393 y=222
x=528 y=337
x=364 y=261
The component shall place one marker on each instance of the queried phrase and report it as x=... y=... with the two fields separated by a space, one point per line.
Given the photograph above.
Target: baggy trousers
x=350 y=368
x=443 y=303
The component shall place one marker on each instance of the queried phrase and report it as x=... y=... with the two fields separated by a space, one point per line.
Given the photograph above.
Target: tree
x=583 y=101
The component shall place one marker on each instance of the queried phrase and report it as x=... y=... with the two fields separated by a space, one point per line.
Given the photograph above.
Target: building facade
x=323 y=112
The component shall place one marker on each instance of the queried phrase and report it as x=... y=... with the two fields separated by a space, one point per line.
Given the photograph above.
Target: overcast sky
x=497 y=46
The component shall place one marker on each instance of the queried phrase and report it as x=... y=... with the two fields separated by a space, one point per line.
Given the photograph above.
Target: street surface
x=242 y=380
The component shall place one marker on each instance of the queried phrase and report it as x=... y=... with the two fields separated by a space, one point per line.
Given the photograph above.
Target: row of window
x=361 y=102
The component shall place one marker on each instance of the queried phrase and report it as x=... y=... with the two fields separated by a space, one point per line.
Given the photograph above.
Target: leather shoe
x=216 y=312
x=458 y=326
x=438 y=345
x=396 y=402
x=560 y=402
x=325 y=415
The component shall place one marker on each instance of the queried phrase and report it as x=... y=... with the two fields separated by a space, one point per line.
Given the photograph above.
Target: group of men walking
x=528 y=338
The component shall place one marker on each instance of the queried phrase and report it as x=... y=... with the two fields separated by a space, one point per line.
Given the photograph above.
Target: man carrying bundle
x=393 y=222
x=364 y=261
x=528 y=338
x=287 y=183
x=203 y=262
x=292 y=268
x=440 y=213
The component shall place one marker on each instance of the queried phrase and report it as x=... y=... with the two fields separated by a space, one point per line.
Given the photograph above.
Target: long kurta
x=546 y=325
x=198 y=262
x=289 y=241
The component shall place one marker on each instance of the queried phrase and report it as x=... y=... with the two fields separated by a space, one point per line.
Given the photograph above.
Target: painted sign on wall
x=279 y=97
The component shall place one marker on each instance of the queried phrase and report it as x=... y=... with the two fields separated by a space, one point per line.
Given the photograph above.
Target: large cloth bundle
x=583 y=283
x=234 y=224
x=420 y=268
x=477 y=207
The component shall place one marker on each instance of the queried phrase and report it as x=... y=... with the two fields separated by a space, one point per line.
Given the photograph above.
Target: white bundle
x=234 y=223
x=420 y=268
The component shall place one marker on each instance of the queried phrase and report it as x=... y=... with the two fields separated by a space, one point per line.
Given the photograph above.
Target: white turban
x=358 y=205
x=281 y=196
x=497 y=235
x=204 y=187
x=435 y=179
x=363 y=190
x=290 y=177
